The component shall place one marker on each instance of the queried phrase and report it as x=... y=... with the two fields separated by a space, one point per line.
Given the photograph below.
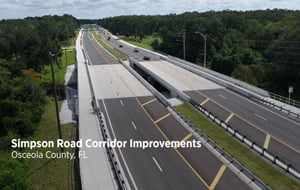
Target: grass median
x=257 y=165
x=145 y=42
x=107 y=47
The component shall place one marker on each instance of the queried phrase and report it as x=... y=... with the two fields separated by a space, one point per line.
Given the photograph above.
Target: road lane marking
x=223 y=96
x=162 y=118
x=132 y=123
x=150 y=101
x=259 y=116
x=157 y=164
x=187 y=137
x=229 y=118
x=267 y=141
x=121 y=102
x=202 y=103
x=218 y=177
x=181 y=156
x=114 y=135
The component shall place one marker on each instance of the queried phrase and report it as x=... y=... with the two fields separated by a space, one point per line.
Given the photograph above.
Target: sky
x=95 y=9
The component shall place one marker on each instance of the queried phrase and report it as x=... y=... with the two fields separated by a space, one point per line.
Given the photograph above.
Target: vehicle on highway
x=108 y=38
x=146 y=58
x=135 y=50
x=120 y=45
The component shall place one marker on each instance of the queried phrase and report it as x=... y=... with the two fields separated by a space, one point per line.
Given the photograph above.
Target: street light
x=197 y=32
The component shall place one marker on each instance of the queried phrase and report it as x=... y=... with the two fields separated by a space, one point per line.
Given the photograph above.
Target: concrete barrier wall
x=170 y=87
x=231 y=83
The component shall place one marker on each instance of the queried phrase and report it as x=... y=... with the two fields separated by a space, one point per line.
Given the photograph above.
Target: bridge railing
x=281 y=163
x=120 y=180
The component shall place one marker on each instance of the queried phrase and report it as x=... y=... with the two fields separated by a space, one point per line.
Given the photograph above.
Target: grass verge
x=266 y=172
x=52 y=173
x=60 y=70
x=107 y=47
x=143 y=43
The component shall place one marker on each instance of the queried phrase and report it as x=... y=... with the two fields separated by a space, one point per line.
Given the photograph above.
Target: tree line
x=260 y=47
x=25 y=46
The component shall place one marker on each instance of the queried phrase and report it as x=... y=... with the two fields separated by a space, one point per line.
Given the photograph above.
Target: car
x=135 y=50
x=146 y=58
x=120 y=45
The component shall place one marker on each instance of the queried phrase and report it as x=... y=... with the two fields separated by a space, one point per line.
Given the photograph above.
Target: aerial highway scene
x=150 y=95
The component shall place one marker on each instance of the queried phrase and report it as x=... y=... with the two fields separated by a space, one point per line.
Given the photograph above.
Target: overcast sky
x=95 y=9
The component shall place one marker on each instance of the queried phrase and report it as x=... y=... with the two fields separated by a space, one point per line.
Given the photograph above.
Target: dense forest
x=260 y=47
x=24 y=51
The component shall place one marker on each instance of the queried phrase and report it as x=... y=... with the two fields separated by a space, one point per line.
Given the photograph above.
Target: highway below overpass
x=268 y=128
x=131 y=112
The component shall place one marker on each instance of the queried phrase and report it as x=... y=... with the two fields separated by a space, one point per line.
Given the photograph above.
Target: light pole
x=204 y=59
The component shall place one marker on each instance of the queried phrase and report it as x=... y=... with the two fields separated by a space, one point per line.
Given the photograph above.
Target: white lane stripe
x=132 y=123
x=259 y=116
x=223 y=96
x=121 y=102
x=157 y=164
x=114 y=135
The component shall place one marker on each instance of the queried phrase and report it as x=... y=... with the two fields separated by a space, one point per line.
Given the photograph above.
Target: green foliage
x=12 y=173
x=266 y=172
x=25 y=46
x=267 y=42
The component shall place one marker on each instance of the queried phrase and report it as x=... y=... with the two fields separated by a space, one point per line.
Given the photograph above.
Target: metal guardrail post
x=110 y=152
x=260 y=150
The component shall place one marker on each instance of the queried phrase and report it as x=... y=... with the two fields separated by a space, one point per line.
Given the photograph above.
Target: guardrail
x=232 y=84
x=241 y=169
x=161 y=98
x=283 y=99
x=280 y=108
x=226 y=78
x=120 y=180
x=257 y=148
x=232 y=163
x=161 y=81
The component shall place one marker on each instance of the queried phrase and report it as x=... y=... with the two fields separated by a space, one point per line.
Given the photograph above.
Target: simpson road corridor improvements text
x=17 y=143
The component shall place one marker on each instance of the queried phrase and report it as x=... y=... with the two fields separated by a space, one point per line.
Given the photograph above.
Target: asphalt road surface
x=146 y=119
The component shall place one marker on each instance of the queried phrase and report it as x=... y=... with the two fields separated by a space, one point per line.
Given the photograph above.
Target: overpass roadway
x=132 y=112
x=271 y=130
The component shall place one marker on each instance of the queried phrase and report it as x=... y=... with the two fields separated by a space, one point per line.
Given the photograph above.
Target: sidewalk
x=95 y=169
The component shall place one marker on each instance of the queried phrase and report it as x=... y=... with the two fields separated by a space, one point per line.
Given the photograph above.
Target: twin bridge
x=135 y=101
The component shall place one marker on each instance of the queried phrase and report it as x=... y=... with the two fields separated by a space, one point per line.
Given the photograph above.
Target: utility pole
x=55 y=99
